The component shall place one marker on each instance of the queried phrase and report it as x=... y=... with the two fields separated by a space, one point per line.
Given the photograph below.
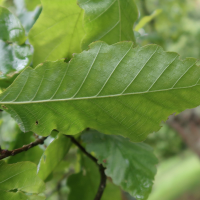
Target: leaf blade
x=130 y=165
x=23 y=171
x=146 y=81
x=109 y=21
x=49 y=36
x=12 y=30
x=53 y=155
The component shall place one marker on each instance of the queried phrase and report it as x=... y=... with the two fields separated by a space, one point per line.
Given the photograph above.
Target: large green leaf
x=21 y=177
x=13 y=59
x=130 y=165
x=58 y=32
x=11 y=28
x=108 y=20
x=115 y=89
x=52 y=156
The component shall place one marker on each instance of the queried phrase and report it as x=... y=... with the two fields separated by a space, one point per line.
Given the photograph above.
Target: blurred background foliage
x=174 y=25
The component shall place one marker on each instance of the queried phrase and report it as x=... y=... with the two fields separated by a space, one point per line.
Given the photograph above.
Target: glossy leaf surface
x=115 y=89
x=11 y=28
x=21 y=176
x=108 y=20
x=130 y=165
x=27 y=18
x=13 y=59
x=52 y=156
x=59 y=35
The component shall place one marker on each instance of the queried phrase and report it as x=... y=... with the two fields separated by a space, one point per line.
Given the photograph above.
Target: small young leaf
x=130 y=165
x=52 y=156
x=110 y=21
x=58 y=32
x=11 y=28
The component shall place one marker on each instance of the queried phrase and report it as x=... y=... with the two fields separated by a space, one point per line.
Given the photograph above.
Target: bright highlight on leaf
x=11 y=28
x=13 y=58
x=115 y=89
x=58 y=32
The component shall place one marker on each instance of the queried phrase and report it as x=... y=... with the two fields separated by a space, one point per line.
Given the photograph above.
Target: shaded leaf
x=115 y=89
x=84 y=185
x=52 y=156
x=11 y=28
x=57 y=36
x=108 y=20
x=111 y=192
x=13 y=59
x=130 y=165
x=21 y=176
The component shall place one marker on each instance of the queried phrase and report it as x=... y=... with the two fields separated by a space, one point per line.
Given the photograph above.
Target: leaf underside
x=115 y=89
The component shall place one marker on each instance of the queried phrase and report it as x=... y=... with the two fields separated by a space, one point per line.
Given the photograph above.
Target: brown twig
x=102 y=184
x=6 y=153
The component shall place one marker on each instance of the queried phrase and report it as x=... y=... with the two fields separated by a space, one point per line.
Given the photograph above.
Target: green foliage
x=53 y=155
x=123 y=160
x=11 y=28
x=57 y=36
x=115 y=86
x=41 y=94
x=121 y=14
x=26 y=173
x=86 y=181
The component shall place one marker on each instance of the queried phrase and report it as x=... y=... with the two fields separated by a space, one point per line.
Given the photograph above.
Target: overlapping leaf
x=110 y=21
x=58 y=32
x=13 y=59
x=53 y=155
x=84 y=185
x=21 y=177
x=130 y=165
x=115 y=89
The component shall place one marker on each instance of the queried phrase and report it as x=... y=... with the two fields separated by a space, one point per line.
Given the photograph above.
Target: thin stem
x=82 y=148
x=101 y=168
x=102 y=183
x=6 y=153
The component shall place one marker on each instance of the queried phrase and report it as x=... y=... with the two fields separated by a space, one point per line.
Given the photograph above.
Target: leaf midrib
x=93 y=97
